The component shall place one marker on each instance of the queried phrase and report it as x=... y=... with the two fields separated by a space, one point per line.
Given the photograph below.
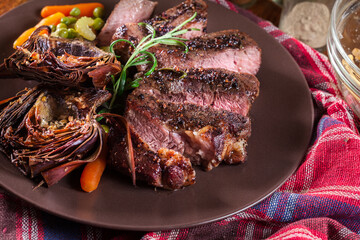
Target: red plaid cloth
x=320 y=201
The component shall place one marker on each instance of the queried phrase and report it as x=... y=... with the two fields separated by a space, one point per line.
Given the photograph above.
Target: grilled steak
x=191 y=116
x=219 y=88
x=126 y=11
x=163 y=168
x=164 y=23
x=201 y=133
x=229 y=49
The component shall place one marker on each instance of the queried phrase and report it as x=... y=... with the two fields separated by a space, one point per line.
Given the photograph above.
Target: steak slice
x=219 y=88
x=204 y=135
x=229 y=49
x=162 y=24
x=164 y=168
x=126 y=11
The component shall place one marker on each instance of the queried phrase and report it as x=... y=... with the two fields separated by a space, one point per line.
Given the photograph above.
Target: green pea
x=65 y=20
x=75 y=12
x=98 y=23
x=52 y=27
x=98 y=12
x=61 y=25
x=63 y=32
x=72 y=33
x=72 y=20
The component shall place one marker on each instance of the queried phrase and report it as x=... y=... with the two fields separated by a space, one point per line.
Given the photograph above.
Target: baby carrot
x=53 y=19
x=23 y=37
x=86 y=9
x=93 y=171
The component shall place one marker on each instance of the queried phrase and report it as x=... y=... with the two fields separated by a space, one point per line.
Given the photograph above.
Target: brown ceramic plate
x=282 y=124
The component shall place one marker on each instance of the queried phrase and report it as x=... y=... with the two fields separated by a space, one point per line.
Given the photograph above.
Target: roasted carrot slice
x=86 y=9
x=91 y=175
x=53 y=19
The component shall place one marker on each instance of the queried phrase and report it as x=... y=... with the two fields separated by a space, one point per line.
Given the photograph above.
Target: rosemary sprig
x=141 y=56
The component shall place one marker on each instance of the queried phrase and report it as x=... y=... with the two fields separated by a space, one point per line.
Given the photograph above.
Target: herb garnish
x=141 y=56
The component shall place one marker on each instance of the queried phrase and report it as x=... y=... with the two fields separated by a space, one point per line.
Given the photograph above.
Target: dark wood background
x=265 y=9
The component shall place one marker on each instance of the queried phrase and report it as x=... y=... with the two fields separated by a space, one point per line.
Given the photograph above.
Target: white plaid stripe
x=335 y=188
x=338 y=194
x=296 y=233
x=282 y=38
x=155 y=236
x=344 y=232
x=34 y=224
x=29 y=223
x=270 y=28
x=328 y=99
x=249 y=232
x=174 y=234
x=320 y=65
x=25 y=222
x=267 y=231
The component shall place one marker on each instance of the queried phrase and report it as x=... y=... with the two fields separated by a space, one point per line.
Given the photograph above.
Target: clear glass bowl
x=343 y=38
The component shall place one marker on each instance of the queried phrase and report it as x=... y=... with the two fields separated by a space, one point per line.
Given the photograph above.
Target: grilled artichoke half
x=61 y=61
x=49 y=131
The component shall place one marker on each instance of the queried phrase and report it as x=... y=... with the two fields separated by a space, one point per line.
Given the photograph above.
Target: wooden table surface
x=265 y=9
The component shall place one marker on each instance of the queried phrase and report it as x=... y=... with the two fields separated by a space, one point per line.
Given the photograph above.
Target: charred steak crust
x=217 y=88
x=220 y=40
x=229 y=49
x=200 y=81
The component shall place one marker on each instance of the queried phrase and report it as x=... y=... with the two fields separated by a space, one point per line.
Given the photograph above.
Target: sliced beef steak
x=205 y=135
x=126 y=11
x=162 y=24
x=219 y=88
x=163 y=168
x=173 y=17
x=229 y=49
x=188 y=114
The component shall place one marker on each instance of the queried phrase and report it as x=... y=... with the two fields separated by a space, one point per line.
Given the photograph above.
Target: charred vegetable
x=49 y=131
x=50 y=20
x=62 y=61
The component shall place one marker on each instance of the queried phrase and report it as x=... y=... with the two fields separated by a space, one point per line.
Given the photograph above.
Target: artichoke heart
x=62 y=61
x=49 y=131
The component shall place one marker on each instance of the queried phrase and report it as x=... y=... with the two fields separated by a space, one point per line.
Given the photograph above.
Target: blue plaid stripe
x=273 y=205
x=326 y=122
x=290 y=207
x=285 y=207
